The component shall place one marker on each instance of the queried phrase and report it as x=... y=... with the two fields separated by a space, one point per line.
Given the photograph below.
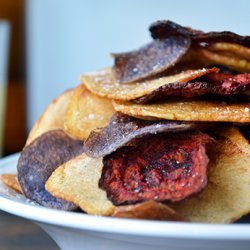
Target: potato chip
x=229 y=60
x=227 y=196
x=188 y=110
x=52 y=117
x=77 y=181
x=39 y=159
x=165 y=28
x=103 y=83
x=237 y=49
x=149 y=210
x=11 y=181
x=155 y=57
x=86 y=112
x=122 y=129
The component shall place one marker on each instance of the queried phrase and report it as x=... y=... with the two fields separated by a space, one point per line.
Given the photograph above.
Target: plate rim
x=81 y=221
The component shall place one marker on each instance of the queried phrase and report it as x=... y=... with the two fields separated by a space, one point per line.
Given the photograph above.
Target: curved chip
x=165 y=28
x=85 y=112
x=188 y=110
x=52 y=118
x=11 y=181
x=155 y=57
x=103 y=83
x=39 y=159
x=161 y=167
x=149 y=210
x=238 y=50
x=227 y=195
x=122 y=129
x=229 y=60
x=77 y=181
x=214 y=83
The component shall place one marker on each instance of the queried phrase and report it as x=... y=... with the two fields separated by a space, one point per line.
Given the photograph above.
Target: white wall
x=68 y=37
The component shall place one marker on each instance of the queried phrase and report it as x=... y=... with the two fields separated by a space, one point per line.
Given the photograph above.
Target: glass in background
x=4 y=46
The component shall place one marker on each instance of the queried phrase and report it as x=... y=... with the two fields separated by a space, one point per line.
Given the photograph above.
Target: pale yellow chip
x=103 y=83
x=52 y=118
x=227 y=195
x=226 y=59
x=237 y=49
x=188 y=110
x=77 y=181
x=11 y=181
x=85 y=112
x=150 y=210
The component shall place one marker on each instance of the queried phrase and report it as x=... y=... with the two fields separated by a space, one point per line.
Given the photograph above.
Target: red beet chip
x=160 y=167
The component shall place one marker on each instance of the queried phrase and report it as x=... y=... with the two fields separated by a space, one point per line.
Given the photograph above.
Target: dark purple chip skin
x=37 y=162
x=153 y=58
x=122 y=129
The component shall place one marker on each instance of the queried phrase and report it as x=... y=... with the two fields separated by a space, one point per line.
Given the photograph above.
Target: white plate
x=72 y=230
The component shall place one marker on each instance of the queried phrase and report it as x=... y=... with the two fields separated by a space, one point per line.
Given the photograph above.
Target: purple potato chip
x=150 y=60
x=165 y=28
x=122 y=129
x=37 y=162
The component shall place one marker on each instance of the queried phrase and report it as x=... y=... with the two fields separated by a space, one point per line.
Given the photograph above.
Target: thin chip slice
x=155 y=57
x=238 y=50
x=103 y=83
x=159 y=167
x=215 y=83
x=165 y=28
x=188 y=110
x=52 y=118
x=226 y=197
x=149 y=210
x=11 y=181
x=230 y=61
x=77 y=181
x=85 y=112
x=122 y=129
x=39 y=159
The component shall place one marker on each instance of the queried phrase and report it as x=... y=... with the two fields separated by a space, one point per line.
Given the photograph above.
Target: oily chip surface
x=77 y=181
x=85 y=112
x=188 y=110
x=226 y=197
x=103 y=83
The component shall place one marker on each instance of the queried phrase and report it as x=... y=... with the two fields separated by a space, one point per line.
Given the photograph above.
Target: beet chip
x=159 y=168
x=123 y=128
x=213 y=83
x=37 y=162
x=166 y=28
x=151 y=59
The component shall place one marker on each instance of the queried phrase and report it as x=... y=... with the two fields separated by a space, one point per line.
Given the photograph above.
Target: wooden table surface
x=20 y=234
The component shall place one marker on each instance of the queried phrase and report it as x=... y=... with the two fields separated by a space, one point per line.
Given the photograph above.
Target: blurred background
x=52 y=42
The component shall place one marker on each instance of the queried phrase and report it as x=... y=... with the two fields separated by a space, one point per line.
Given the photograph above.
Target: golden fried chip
x=11 y=181
x=85 y=112
x=227 y=195
x=235 y=48
x=149 y=210
x=77 y=181
x=52 y=117
x=188 y=110
x=227 y=59
x=103 y=83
